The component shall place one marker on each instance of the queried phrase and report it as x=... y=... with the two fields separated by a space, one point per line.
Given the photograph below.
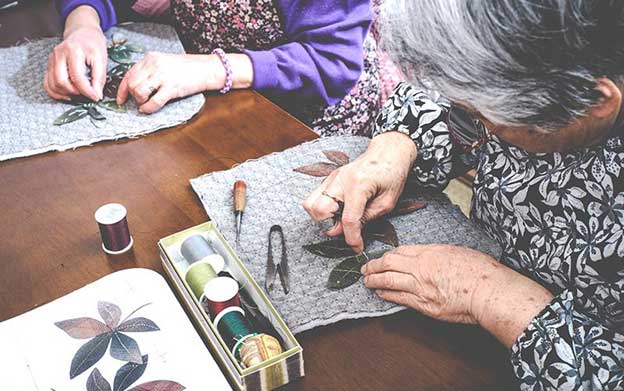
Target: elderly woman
x=536 y=91
x=315 y=58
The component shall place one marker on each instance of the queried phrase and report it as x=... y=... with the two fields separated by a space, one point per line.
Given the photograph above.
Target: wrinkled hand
x=161 y=77
x=369 y=187
x=83 y=46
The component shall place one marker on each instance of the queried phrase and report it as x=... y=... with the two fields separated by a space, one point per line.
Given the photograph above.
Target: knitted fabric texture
x=274 y=196
x=27 y=112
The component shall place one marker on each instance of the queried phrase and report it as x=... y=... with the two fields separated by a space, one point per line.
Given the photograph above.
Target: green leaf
x=119 y=70
x=71 y=115
x=96 y=382
x=95 y=114
x=347 y=272
x=120 y=54
x=128 y=374
x=89 y=354
x=334 y=248
x=134 y=48
x=382 y=231
x=112 y=106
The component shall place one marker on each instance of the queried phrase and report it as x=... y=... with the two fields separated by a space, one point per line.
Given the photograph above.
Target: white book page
x=176 y=355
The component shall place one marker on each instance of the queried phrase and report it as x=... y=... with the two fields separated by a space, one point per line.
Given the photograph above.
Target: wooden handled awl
x=240 y=194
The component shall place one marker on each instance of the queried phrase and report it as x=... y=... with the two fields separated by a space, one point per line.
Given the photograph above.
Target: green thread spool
x=198 y=275
x=234 y=328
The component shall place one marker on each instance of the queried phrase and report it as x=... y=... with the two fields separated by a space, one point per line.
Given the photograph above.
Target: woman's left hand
x=457 y=284
x=161 y=77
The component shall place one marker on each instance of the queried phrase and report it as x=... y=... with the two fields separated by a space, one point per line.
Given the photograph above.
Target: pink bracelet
x=228 y=70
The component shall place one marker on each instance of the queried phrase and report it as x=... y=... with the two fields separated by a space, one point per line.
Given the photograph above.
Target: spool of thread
x=220 y=293
x=113 y=224
x=234 y=328
x=204 y=261
x=258 y=349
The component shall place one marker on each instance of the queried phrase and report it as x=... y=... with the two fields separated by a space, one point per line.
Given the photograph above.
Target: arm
x=414 y=113
x=324 y=57
x=104 y=8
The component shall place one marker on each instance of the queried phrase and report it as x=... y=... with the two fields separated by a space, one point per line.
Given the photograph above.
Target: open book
x=125 y=331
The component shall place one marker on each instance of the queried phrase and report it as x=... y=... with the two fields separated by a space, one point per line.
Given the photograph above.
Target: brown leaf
x=320 y=169
x=347 y=272
x=159 y=385
x=340 y=158
x=407 y=207
x=110 y=313
x=382 y=231
x=82 y=328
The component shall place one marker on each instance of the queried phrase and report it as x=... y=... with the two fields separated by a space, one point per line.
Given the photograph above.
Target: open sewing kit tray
x=270 y=374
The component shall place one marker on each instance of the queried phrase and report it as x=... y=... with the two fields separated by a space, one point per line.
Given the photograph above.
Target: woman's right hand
x=84 y=45
x=369 y=187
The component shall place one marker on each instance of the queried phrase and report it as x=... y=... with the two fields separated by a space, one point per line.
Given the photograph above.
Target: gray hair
x=519 y=62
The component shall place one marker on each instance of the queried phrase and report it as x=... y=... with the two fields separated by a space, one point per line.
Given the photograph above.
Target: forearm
x=82 y=16
x=505 y=302
x=214 y=73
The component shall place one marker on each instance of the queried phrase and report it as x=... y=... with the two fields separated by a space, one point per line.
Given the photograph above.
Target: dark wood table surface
x=50 y=245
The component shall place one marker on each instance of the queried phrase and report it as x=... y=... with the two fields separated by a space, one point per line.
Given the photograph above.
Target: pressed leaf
x=71 y=115
x=82 y=328
x=89 y=354
x=96 y=382
x=137 y=325
x=110 y=313
x=334 y=248
x=112 y=106
x=407 y=207
x=159 y=385
x=320 y=169
x=119 y=71
x=134 y=48
x=125 y=348
x=340 y=158
x=347 y=272
x=120 y=54
x=95 y=114
x=128 y=374
x=382 y=231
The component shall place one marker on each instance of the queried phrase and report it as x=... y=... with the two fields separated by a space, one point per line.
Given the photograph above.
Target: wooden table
x=50 y=245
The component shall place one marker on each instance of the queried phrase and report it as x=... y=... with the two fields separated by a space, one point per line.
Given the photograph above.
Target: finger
x=122 y=90
x=399 y=297
x=143 y=90
x=98 y=74
x=336 y=230
x=59 y=79
x=391 y=261
x=354 y=206
x=319 y=206
x=389 y=280
x=379 y=206
x=77 y=68
x=156 y=102
x=52 y=93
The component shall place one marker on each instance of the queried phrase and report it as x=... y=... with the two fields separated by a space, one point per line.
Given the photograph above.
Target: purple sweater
x=321 y=60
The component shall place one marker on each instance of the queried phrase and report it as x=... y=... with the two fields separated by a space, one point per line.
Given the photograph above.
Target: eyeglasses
x=466 y=132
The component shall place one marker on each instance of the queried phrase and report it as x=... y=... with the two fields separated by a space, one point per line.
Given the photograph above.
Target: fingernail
x=366 y=280
x=363 y=269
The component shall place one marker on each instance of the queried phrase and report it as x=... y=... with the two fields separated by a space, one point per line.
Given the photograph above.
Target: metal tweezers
x=281 y=267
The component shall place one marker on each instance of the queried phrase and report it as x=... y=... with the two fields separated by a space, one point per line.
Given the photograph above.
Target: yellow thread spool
x=258 y=349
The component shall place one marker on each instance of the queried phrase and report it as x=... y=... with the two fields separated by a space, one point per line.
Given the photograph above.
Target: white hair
x=518 y=62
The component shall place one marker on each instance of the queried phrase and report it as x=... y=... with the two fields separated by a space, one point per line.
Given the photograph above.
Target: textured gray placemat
x=274 y=196
x=27 y=113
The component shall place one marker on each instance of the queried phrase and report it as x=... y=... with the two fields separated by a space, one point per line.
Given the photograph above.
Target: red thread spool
x=113 y=223
x=221 y=293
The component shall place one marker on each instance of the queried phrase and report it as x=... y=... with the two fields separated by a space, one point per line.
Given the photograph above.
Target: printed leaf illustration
x=71 y=115
x=89 y=354
x=347 y=272
x=317 y=169
x=96 y=382
x=82 y=328
x=110 y=313
x=340 y=158
x=382 y=231
x=112 y=106
x=407 y=207
x=125 y=348
x=128 y=374
x=137 y=325
x=334 y=248
x=159 y=385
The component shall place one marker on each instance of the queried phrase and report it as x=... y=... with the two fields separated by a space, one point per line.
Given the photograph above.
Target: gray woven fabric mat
x=27 y=113
x=274 y=196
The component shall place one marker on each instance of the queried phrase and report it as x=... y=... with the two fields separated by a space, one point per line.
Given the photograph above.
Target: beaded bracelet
x=228 y=70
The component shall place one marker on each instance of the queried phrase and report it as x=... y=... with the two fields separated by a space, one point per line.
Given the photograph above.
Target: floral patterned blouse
x=559 y=218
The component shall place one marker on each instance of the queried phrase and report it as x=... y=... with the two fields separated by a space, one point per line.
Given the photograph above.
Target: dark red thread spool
x=221 y=293
x=113 y=223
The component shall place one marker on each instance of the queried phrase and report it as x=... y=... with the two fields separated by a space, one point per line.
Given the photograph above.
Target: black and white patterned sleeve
x=424 y=118
x=564 y=349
